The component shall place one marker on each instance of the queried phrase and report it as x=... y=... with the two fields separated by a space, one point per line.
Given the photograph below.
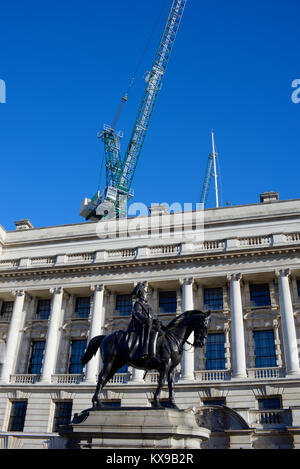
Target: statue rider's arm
x=138 y=313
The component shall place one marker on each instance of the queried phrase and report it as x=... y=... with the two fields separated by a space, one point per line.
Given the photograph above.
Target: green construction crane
x=112 y=203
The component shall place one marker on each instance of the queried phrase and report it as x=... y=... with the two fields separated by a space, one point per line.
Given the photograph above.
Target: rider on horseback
x=144 y=325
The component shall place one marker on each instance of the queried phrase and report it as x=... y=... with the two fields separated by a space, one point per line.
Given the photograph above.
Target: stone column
x=97 y=322
x=288 y=323
x=13 y=337
x=237 y=328
x=52 y=342
x=187 y=373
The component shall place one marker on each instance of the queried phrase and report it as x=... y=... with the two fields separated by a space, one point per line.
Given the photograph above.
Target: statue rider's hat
x=140 y=287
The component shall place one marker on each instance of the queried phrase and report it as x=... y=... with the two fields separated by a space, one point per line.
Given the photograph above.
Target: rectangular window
x=269 y=407
x=214 y=402
x=43 y=309
x=6 y=310
x=260 y=295
x=264 y=349
x=124 y=305
x=114 y=403
x=167 y=302
x=36 y=357
x=215 y=352
x=83 y=307
x=298 y=287
x=267 y=403
x=163 y=402
x=17 y=416
x=213 y=298
x=63 y=413
x=77 y=350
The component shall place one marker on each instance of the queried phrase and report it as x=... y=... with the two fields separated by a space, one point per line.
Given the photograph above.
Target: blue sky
x=67 y=63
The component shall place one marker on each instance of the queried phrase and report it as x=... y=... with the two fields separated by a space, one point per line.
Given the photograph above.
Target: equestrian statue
x=147 y=344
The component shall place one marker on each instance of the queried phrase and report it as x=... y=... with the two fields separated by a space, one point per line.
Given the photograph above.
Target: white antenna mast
x=214 y=156
x=211 y=171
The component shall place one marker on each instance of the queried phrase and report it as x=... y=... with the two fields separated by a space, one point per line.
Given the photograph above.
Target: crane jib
x=152 y=89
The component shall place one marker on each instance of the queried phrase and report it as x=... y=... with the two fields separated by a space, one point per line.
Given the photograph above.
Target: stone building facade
x=62 y=285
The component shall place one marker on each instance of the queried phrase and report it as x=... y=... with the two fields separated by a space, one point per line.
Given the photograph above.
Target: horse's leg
x=95 y=399
x=103 y=377
x=107 y=372
x=161 y=380
x=171 y=375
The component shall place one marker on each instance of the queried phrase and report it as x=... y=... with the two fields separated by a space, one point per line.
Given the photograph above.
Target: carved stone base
x=134 y=428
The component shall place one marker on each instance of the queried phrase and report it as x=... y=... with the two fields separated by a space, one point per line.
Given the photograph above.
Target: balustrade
x=24 y=379
x=67 y=379
x=270 y=418
x=212 y=375
x=170 y=249
x=201 y=376
x=120 y=378
x=265 y=373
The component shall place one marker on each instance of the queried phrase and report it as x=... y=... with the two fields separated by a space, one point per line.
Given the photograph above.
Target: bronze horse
x=115 y=352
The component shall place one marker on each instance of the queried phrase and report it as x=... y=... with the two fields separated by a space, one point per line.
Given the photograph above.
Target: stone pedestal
x=134 y=429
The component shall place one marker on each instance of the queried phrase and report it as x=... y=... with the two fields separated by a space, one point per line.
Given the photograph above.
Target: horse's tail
x=92 y=348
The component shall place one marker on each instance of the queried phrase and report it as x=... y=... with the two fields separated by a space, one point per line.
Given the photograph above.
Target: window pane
x=43 y=309
x=269 y=403
x=298 y=287
x=83 y=307
x=115 y=403
x=264 y=349
x=124 y=305
x=215 y=352
x=260 y=295
x=214 y=402
x=77 y=350
x=63 y=412
x=167 y=302
x=213 y=298
x=17 y=416
x=6 y=310
x=36 y=357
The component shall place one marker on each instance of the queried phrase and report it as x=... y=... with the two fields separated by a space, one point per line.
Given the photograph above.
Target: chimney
x=23 y=225
x=269 y=197
x=158 y=209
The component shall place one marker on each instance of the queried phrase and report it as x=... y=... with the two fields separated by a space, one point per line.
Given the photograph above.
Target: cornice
x=175 y=261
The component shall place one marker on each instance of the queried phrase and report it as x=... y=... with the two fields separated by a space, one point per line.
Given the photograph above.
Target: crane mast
x=119 y=173
x=211 y=171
